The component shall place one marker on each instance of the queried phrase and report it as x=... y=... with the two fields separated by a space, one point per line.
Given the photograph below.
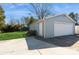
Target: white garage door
x=61 y=29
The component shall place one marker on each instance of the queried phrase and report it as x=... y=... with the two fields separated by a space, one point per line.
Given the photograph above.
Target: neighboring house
x=52 y=26
x=78 y=20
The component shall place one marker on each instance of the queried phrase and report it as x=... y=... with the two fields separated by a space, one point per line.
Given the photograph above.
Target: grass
x=12 y=35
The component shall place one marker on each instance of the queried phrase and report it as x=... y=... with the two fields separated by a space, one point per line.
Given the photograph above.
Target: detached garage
x=52 y=26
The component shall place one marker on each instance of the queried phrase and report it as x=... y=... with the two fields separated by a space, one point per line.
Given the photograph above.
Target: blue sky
x=16 y=11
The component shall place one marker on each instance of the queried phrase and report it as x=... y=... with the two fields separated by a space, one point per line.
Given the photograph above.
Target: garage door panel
x=61 y=29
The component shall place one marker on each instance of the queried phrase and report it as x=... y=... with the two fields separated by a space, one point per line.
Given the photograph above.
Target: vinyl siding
x=49 y=25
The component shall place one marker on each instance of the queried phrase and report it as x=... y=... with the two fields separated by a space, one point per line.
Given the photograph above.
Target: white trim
x=53 y=16
x=44 y=30
x=70 y=18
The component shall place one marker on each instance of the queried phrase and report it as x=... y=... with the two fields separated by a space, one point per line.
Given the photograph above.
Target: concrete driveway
x=32 y=46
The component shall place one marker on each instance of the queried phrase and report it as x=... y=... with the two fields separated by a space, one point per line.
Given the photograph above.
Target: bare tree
x=18 y=21
x=40 y=9
x=12 y=22
x=26 y=19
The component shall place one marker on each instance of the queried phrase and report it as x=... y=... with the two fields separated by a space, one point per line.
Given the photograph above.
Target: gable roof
x=42 y=20
x=61 y=15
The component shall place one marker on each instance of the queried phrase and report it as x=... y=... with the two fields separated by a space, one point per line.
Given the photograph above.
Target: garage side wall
x=35 y=27
x=39 y=27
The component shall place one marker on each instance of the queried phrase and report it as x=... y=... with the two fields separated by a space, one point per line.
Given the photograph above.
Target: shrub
x=31 y=33
x=7 y=28
x=24 y=29
x=11 y=28
x=17 y=27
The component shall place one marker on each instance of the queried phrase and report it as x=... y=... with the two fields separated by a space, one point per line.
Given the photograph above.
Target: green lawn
x=11 y=35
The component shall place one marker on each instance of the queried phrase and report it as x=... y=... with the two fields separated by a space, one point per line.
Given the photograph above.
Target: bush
x=31 y=33
x=17 y=27
x=24 y=29
x=11 y=28
x=7 y=28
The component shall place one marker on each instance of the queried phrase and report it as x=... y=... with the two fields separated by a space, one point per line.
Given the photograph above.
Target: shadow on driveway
x=63 y=41
x=33 y=44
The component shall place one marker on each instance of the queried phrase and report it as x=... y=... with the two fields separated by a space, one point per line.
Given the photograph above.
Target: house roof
x=42 y=20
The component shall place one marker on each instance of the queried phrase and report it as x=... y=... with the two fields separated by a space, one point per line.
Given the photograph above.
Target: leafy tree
x=74 y=16
x=26 y=19
x=30 y=21
x=2 y=17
